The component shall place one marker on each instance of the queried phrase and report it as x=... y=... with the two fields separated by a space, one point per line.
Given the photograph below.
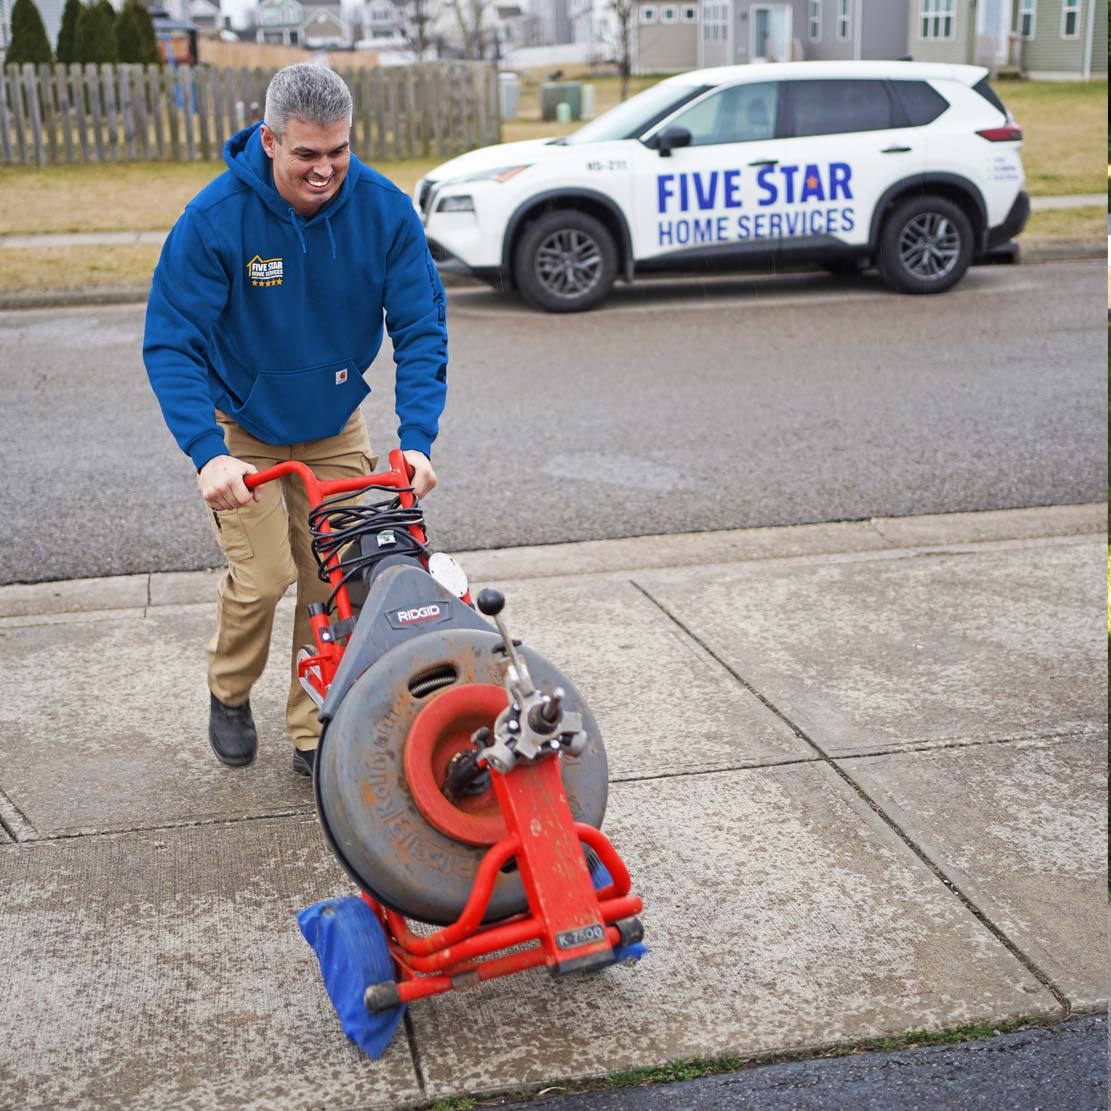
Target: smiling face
x=310 y=162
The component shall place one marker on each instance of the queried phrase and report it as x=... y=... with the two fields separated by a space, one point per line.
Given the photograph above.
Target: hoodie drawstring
x=300 y=235
x=331 y=237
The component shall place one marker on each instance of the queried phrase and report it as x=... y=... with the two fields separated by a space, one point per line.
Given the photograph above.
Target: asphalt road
x=679 y=406
x=1059 y=1068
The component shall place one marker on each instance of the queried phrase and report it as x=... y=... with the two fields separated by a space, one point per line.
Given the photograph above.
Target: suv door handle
x=766 y=162
x=896 y=150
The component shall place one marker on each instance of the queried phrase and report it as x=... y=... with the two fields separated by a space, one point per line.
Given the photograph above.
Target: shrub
x=135 y=34
x=29 y=41
x=67 y=34
x=95 y=38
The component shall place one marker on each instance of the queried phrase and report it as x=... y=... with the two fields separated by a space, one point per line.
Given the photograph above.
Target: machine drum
x=378 y=780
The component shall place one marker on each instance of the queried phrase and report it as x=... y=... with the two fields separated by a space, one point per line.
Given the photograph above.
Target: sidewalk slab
x=1024 y=837
x=869 y=654
x=781 y=914
x=122 y=708
x=165 y=970
x=662 y=703
x=1051 y=521
x=115 y=592
x=110 y=731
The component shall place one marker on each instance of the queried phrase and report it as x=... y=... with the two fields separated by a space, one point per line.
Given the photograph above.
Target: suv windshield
x=636 y=115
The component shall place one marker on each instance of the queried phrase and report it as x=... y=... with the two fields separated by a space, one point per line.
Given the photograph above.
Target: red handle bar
x=398 y=477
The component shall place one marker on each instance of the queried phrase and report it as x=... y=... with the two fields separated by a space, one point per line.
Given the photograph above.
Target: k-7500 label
x=572 y=939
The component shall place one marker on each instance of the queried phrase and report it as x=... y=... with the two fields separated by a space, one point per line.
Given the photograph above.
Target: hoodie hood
x=251 y=164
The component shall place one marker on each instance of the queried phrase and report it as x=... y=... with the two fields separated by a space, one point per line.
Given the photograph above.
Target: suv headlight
x=462 y=203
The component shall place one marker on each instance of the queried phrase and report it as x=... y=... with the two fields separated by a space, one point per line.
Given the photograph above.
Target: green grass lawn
x=1064 y=124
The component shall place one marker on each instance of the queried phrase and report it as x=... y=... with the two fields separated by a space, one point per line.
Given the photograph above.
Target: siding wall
x=1048 y=53
x=885 y=29
x=667 y=47
x=958 y=49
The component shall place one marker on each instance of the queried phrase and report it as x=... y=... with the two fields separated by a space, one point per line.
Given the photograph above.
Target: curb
x=878 y=536
x=1067 y=250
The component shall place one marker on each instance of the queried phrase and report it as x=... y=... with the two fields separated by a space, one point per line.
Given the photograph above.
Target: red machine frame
x=576 y=927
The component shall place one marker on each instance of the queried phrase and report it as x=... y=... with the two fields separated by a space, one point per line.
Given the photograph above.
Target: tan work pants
x=267 y=545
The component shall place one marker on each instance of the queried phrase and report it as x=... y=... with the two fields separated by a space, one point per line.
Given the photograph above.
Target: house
x=666 y=35
x=1052 y=40
x=675 y=36
x=205 y=16
x=326 y=28
x=279 y=22
x=383 y=26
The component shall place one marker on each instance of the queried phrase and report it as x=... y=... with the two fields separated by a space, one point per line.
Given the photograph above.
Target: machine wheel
x=925 y=245
x=566 y=261
x=377 y=779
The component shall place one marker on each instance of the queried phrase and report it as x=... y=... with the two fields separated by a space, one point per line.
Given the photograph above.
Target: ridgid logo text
x=265 y=271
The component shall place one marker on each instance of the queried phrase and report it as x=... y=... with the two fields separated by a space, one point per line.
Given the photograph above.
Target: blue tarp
x=350 y=944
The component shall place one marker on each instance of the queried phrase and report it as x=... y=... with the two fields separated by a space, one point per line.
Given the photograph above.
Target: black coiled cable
x=347 y=524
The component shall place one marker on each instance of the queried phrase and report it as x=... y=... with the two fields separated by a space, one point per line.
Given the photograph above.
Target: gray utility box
x=508 y=93
x=553 y=93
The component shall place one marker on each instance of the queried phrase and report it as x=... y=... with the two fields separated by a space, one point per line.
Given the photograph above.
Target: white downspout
x=1088 y=40
x=858 y=28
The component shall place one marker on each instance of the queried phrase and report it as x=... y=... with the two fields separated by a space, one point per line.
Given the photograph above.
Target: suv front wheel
x=566 y=261
x=925 y=245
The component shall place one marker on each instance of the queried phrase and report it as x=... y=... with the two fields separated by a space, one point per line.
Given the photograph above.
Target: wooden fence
x=58 y=114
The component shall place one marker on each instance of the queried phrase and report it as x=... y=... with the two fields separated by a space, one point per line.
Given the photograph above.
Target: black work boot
x=231 y=732
x=304 y=760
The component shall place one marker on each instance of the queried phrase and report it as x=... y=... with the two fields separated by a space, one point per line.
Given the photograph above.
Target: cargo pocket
x=294 y=406
x=227 y=526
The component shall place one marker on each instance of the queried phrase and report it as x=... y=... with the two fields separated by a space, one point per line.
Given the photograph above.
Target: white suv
x=910 y=167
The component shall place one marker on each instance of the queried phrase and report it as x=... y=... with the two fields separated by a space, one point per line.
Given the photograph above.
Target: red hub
x=441 y=730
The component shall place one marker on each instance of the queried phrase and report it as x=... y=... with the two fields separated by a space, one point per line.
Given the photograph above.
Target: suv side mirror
x=671 y=138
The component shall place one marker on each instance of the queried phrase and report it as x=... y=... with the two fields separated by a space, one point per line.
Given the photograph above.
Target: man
x=265 y=310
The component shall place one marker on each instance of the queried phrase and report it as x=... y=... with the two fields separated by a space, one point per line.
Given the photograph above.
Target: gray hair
x=309 y=93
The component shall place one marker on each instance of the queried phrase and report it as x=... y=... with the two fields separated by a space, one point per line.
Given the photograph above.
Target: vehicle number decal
x=610 y=165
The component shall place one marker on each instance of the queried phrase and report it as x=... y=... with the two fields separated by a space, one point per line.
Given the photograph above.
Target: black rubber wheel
x=566 y=261
x=925 y=245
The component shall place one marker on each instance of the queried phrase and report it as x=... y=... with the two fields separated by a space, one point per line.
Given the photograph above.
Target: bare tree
x=618 y=37
x=417 y=19
x=472 y=17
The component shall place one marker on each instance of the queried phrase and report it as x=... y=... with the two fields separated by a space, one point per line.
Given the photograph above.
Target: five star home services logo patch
x=265 y=271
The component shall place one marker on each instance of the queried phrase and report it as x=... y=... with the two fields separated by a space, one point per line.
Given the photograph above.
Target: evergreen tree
x=29 y=42
x=67 y=35
x=95 y=38
x=135 y=34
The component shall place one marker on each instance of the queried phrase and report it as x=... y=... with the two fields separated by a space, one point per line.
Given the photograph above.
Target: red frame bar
x=544 y=838
x=398 y=477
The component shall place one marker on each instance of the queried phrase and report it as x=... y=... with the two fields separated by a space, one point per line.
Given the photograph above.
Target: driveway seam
x=14 y=822
x=1026 y=961
x=46 y=838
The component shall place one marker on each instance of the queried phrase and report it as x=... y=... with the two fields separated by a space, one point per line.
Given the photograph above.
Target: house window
x=844 y=19
x=715 y=25
x=935 y=19
x=690 y=15
x=1027 y=18
x=648 y=14
x=814 y=20
x=669 y=15
x=1070 y=19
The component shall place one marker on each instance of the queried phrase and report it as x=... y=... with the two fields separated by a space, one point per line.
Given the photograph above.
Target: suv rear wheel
x=566 y=261
x=925 y=245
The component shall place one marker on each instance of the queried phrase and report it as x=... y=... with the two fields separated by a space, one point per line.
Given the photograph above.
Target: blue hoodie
x=273 y=319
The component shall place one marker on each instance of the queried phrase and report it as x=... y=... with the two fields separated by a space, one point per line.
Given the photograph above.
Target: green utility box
x=553 y=93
